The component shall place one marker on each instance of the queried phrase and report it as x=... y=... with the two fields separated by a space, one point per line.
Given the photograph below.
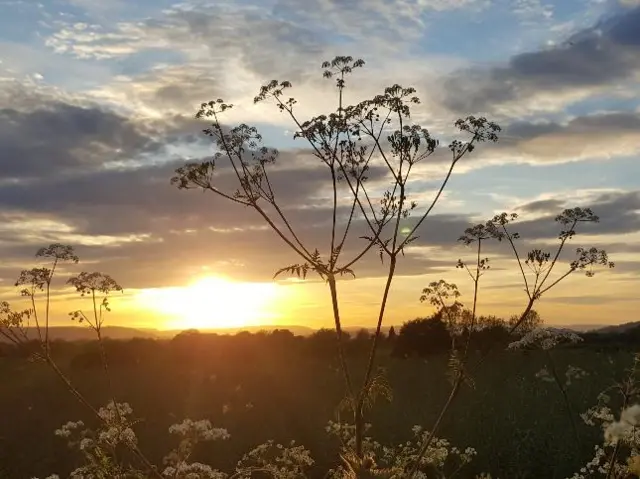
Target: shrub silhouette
x=422 y=337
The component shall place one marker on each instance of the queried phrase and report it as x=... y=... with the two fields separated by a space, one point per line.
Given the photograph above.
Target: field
x=517 y=423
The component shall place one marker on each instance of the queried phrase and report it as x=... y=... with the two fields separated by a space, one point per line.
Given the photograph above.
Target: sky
x=97 y=104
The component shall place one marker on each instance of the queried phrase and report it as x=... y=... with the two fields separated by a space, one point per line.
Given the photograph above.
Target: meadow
x=517 y=422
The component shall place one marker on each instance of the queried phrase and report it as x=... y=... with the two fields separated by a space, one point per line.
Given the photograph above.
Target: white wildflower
x=545 y=338
x=194 y=470
x=114 y=412
x=631 y=415
x=544 y=375
x=572 y=373
x=624 y=429
x=86 y=443
x=199 y=430
x=69 y=428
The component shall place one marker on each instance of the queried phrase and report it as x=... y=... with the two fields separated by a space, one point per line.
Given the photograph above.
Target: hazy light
x=215 y=302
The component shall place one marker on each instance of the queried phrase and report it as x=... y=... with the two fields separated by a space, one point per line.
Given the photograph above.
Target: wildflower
x=572 y=373
x=545 y=338
x=544 y=375
x=68 y=429
x=623 y=430
x=199 y=430
x=115 y=411
x=194 y=470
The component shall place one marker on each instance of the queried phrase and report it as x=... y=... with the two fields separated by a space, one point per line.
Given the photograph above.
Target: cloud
x=544 y=206
x=128 y=220
x=64 y=137
x=195 y=53
x=618 y=212
x=532 y=9
x=384 y=23
x=591 y=60
x=125 y=216
x=42 y=132
x=198 y=29
x=596 y=136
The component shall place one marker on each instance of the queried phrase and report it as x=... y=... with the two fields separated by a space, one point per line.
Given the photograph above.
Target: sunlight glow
x=216 y=302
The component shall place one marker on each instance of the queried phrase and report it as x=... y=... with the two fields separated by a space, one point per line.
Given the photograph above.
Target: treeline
x=192 y=346
x=420 y=337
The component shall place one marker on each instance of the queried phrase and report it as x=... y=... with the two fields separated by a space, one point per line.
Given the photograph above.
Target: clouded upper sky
x=97 y=103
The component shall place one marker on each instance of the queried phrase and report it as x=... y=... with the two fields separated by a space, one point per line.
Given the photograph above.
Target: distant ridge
x=619 y=328
x=81 y=333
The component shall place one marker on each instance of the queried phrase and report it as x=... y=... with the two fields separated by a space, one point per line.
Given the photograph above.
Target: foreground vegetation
x=259 y=390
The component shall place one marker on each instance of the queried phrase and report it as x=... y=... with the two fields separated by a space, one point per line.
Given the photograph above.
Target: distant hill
x=83 y=333
x=296 y=330
x=580 y=328
x=618 y=328
x=80 y=333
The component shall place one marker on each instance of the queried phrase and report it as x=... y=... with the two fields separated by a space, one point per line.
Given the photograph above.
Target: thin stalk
x=103 y=353
x=461 y=374
x=522 y=318
x=555 y=258
x=425 y=446
x=338 y=324
x=35 y=314
x=359 y=407
x=334 y=215
x=515 y=252
x=47 y=304
x=433 y=203
x=476 y=283
x=334 y=182
x=556 y=282
x=565 y=397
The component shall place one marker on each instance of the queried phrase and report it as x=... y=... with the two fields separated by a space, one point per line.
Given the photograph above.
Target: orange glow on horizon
x=217 y=302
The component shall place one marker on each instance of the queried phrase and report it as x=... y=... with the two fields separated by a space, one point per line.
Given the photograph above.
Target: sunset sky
x=97 y=104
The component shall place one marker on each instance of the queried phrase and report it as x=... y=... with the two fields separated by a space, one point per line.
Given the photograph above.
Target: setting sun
x=216 y=302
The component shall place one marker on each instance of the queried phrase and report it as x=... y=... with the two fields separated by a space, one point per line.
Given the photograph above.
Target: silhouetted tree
x=422 y=337
x=392 y=335
x=531 y=321
x=323 y=341
x=491 y=331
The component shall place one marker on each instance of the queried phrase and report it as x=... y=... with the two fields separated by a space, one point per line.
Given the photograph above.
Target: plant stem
x=358 y=412
x=331 y=279
x=436 y=425
x=567 y=402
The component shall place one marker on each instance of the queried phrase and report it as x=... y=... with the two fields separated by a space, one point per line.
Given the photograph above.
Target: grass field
x=517 y=423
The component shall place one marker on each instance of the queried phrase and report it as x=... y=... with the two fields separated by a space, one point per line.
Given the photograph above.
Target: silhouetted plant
x=346 y=142
x=541 y=265
x=14 y=325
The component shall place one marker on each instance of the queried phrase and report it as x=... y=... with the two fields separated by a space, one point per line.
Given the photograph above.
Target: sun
x=217 y=302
